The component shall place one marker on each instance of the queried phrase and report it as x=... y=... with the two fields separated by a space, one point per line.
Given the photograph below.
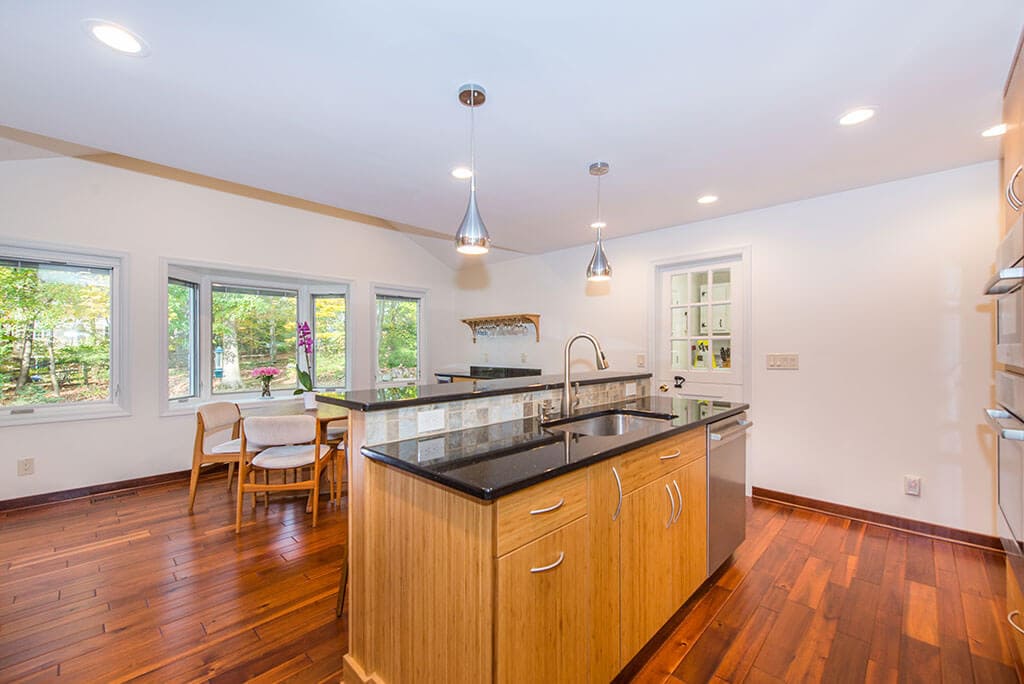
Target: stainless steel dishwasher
x=727 y=487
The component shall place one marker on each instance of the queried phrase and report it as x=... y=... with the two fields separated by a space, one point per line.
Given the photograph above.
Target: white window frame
x=382 y=290
x=118 y=404
x=206 y=275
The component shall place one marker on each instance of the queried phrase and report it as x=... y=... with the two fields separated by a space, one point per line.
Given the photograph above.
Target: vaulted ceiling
x=353 y=104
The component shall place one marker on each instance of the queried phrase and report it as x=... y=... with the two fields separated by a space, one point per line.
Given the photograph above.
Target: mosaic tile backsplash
x=402 y=423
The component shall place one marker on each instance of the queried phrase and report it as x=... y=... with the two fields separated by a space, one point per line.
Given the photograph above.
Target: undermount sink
x=609 y=423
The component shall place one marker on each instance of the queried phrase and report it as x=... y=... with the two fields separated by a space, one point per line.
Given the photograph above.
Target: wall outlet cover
x=26 y=466
x=641 y=360
x=912 y=485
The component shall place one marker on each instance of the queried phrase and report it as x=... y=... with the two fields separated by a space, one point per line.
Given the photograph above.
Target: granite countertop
x=414 y=395
x=492 y=461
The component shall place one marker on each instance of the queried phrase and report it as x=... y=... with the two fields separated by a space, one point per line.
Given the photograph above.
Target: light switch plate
x=429 y=421
x=641 y=360
x=783 y=361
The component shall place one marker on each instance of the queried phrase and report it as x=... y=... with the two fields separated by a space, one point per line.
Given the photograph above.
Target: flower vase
x=309 y=399
x=265 y=380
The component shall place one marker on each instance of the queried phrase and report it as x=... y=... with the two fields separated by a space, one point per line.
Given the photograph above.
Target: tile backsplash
x=393 y=425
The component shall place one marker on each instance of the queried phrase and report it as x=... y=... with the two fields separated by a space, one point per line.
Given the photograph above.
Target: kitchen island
x=520 y=550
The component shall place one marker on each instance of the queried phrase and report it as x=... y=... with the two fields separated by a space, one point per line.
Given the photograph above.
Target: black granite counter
x=492 y=461
x=413 y=395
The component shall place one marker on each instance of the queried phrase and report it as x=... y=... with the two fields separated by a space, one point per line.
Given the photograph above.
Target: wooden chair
x=336 y=435
x=287 y=443
x=217 y=441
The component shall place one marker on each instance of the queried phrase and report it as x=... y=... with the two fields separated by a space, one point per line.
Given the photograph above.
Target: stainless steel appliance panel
x=1010 y=329
x=727 y=488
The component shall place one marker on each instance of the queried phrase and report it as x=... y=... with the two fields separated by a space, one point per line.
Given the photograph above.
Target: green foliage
x=398 y=342
x=253 y=330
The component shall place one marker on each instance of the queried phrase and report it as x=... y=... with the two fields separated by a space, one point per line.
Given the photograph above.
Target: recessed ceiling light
x=707 y=199
x=857 y=116
x=117 y=37
x=598 y=224
x=462 y=173
x=994 y=131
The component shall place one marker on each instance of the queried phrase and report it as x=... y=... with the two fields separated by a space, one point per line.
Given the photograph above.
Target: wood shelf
x=506 y=319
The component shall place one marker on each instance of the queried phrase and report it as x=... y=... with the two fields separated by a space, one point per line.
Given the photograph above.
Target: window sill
x=62 y=414
x=187 y=408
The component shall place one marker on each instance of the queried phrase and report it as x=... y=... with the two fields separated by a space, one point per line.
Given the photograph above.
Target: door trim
x=691 y=260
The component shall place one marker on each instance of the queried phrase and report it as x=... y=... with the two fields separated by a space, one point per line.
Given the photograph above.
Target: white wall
x=82 y=204
x=877 y=289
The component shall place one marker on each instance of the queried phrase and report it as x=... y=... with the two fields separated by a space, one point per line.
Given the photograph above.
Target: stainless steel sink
x=609 y=423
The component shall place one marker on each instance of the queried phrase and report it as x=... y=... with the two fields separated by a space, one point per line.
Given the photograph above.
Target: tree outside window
x=398 y=343
x=252 y=327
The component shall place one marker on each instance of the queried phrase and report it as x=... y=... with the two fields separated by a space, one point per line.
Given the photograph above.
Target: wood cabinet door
x=604 y=482
x=691 y=530
x=543 y=609
x=647 y=546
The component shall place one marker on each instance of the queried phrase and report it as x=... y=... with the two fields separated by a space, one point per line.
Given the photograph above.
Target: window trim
x=197 y=373
x=206 y=274
x=118 y=404
x=384 y=290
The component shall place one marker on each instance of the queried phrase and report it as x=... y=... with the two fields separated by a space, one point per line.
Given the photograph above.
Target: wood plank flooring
x=814 y=598
x=128 y=586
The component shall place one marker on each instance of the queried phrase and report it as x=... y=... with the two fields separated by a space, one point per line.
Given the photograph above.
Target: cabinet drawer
x=646 y=464
x=533 y=512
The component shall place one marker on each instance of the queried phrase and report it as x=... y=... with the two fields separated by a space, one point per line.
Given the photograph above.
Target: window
x=182 y=339
x=252 y=328
x=222 y=324
x=398 y=339
x=330 y=352
x=58 y=334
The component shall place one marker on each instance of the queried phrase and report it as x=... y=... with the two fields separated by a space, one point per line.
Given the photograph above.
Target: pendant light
x=472 y=236
x=599 y=269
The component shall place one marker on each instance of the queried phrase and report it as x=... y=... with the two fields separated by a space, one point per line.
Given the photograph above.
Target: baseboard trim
x=105 y=488
x=884 y=519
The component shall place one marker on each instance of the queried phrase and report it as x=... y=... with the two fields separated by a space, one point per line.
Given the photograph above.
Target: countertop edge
x=469 y=393
x=488 y=495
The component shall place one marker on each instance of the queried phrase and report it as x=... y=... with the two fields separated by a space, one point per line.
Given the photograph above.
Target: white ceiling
x=353 y=104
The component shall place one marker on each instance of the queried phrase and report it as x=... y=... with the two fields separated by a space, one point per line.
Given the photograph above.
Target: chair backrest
x=280 y=430
x=218 y=420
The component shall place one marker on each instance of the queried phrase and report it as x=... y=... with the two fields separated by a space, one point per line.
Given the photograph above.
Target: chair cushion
x=218 y=414
x=282 y=457
x=232 y=446
x=336 y=432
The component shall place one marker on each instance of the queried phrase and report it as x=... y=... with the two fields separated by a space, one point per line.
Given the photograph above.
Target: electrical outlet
x=26 y=466
x=912 y=485
x=485 y=357
x=641 y=360
x=783 y=361
x=522 y=357
x=428 y=421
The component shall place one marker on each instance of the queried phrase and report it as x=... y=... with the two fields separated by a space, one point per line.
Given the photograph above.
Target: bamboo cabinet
x=563 y=581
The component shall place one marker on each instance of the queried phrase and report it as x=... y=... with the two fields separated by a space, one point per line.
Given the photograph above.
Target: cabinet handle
x=672 y=515
x=1009 y=618
x=618 y=483
x=558 y=505
x=1011 y=196
x=674 y=454
x=680 y=495
x=545 y=568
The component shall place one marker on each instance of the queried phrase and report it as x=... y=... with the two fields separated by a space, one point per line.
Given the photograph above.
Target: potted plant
x=306 y=376
x=265 y=375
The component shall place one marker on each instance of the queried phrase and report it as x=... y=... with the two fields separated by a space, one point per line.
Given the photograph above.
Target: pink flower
x=265 y=372
x=305 y=338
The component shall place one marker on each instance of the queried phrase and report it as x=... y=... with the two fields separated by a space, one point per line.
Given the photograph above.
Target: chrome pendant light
x=599 y=269
x=472 y=236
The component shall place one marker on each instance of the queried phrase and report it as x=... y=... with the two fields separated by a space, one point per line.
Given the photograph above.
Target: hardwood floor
x=815 y=598
x=128 y=586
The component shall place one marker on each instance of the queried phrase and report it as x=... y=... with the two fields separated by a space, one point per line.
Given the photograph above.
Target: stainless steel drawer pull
x=1009 y=618
x=618 y=483
x=680 y=495
x=558 y=505
x=672 y=515
x=545 y=568
x=741 y=425
x=1011 y=196
x=1005 y=424
x=674 y=454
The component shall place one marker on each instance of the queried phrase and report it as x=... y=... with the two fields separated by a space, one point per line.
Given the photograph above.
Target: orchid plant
x=306 y=347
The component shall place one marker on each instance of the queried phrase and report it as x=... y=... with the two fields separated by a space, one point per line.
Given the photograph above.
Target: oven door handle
x=1005 y=424
x=1005 y=280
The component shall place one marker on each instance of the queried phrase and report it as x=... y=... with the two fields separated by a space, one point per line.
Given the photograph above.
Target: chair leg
x=255 y=494
x=240 y=498
x=193 y=483
x=343 y=583
x=231 y=474
x=316 y=494
x=266 y=494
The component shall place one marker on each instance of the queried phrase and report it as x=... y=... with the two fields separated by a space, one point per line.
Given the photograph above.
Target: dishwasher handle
x=1005 y=424
x=724 y=436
